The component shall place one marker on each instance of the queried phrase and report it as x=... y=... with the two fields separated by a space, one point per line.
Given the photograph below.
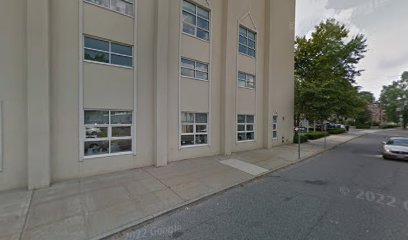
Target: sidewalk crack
x=27 y=211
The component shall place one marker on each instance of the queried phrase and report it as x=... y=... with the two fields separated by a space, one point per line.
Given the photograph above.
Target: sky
x=383 y=22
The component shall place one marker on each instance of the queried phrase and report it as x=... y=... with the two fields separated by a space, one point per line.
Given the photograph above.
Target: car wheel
x=385 y=157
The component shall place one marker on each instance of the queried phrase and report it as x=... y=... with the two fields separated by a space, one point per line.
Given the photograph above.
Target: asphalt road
x=349 y=192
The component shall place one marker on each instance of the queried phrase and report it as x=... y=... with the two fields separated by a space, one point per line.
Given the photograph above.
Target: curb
x=149 y=219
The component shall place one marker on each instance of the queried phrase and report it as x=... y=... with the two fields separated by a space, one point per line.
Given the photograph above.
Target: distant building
x=377 y=113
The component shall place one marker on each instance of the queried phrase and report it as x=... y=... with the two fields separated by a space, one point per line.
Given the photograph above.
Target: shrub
x=336 y=130
x=363 y=126
x=350 y=122
x=375 y=123
x=315 y=135
x=303 y=138
x=388 y=125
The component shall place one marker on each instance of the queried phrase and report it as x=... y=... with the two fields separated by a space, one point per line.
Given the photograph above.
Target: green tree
x=367 y=96
x=325 y=72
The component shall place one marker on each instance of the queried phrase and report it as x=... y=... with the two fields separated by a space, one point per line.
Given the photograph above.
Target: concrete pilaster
x=38 y=93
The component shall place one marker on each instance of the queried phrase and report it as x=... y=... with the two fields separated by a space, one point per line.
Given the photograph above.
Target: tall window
x=196 y=21
x=245 y=127
x=247 y=41
x=98 y=50
x=275 y=126
x=121 y=6
x=107 y=132
x=194 y=128
x=246 y=80
x=194 y=69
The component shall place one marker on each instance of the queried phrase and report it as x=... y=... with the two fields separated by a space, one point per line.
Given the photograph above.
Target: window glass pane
x=187 y=129
x=241 y=119
x=203 y=34
x=96 y=117
x=201 y=117
x=251 y=52
x=104 y=3
x=243 y=49
x=187 y=140
x=250 y=127
x=240 y=127
x=187 y=72
x=121 y=145
x=96 y=148
x=187 y=28
x=187 y=117
x=274 y=134
x=189 y=18
x=188 y=6
x=242 y=31
x=251 y=44
x=201 y=128
x=96 y=56
x=187 y=63
x=96 y=44
x=275 y=119
x=122 y=6
x=121 y=60
x=201 y=139
x=250 y=136
x=203 y=13
x=96 y=132
x=201 y=75
x=243 y=40
x=121 y=49
x=251 y=35
x=121 y=131
x=241 y=136
x=273 y=126
x=204 y=24
x=241 y=83
x=241 y=76
x=201 y=67
x=250 y=118
x=121 y=117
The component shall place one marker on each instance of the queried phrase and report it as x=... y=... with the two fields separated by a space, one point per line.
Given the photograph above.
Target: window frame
x=194 y=133
x=195 y=69
x=109 y=137
x=247 y=30
x=246 y=80
x=113 y=10
x=195 y=14
x=275 y=126
x=109 y=52
x=246 y=131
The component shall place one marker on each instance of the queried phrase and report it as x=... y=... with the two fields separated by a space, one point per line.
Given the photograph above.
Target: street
x=349 y=192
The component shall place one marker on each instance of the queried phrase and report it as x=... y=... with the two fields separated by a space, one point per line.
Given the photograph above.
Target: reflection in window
x=194 y=128
x=194 y=69
x=107 y=132
x=104 y=51
x=247 y=41
x=245 y=127
x=122 y=6
x=196 y=21
x=246 y=80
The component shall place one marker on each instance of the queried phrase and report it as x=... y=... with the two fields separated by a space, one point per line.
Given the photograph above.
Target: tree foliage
x=325 y=72
x=394 y=97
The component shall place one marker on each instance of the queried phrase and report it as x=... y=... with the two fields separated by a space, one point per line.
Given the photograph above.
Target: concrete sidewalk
x=96 y=207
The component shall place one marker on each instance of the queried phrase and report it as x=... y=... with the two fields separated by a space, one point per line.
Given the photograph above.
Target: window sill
x=198 y=79
x=190 y=35
x=246 y=55
x=246 y=141
x=110 y=9
x=107 y=155
x=247 y=88
x=193 y=146
x=107 y=64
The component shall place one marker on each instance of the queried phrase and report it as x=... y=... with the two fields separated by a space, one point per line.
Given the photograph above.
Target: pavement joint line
x=26 y=212
x=149 y=219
